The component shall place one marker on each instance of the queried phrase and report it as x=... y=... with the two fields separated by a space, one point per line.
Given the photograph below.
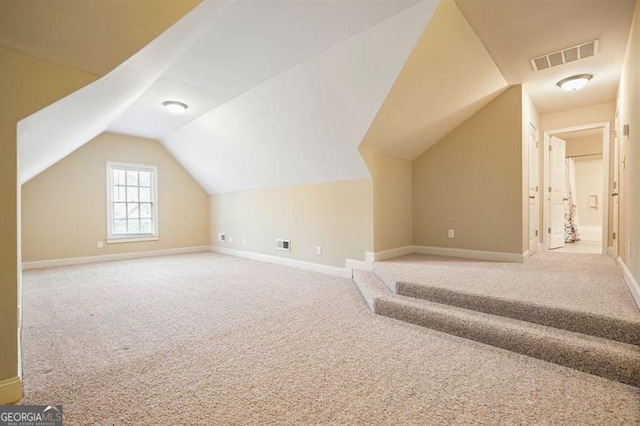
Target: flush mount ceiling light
x=575 y=82
x=175 y=107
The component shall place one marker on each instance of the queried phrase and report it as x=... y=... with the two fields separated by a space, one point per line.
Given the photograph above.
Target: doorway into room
x=576 y=179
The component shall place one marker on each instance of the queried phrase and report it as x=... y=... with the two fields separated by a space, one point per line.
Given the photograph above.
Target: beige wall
x=471 y=181
x=73 y=193
x=27 y=84
x=336 y=216
x=589 y=181
x=392 y=200
x=589 y=145
x=629 y=113
x=578 y=117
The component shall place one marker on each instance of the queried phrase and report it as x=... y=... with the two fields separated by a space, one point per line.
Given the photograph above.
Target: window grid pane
x=132 y=202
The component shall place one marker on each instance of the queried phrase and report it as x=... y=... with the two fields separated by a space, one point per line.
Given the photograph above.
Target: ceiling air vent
x=564 y=56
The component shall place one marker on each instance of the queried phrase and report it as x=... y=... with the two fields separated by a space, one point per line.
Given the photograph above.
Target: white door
x=615 y=187
x=557 y=190
x=534 y=173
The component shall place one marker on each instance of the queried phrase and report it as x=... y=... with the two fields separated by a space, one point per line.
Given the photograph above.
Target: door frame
x=533 y=131
x=615 y=188
x=606 y=138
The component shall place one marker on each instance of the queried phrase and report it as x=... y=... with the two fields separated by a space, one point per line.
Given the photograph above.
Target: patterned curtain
x=571 y=231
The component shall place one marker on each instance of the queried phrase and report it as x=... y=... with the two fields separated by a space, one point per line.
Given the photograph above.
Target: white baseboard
x=444 y=251
x=395 y=252
x=632 y=283
x=110 y=257
x=472 y=254
x=369 y=257
x=10 y=391
x=361 y=265
x=309 y=266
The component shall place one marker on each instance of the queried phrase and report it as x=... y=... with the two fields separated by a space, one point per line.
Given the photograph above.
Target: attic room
x=290 y=212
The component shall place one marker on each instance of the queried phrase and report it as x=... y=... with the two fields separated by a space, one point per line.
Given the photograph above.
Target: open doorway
x=576 y=176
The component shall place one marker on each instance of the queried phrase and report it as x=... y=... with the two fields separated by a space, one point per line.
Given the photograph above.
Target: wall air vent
x=222 y=237
x=564 y=56
x=283 y=245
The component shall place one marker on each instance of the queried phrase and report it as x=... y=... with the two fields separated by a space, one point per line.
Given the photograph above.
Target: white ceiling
x=516 y=31
x=253 y=42
x=54 y=132
x=283 y=92
x=304 y=125
x=221 y=50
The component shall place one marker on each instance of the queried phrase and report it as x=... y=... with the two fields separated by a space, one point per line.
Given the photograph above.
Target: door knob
x=614 y=194
x=533 y=196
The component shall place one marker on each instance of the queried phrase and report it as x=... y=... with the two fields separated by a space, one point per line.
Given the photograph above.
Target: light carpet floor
x=590 y=283
x=212 y=339
x=580 y=247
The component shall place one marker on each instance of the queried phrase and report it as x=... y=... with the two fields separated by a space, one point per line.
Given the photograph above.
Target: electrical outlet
x=100 y=244
x=244 y=241
x=319 y=251
x=230 y=240
x=452 y=233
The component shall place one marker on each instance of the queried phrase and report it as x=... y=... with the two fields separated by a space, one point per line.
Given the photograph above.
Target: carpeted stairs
x=602 y=345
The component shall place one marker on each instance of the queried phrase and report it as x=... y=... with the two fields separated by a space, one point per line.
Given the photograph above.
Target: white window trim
x=113 y=239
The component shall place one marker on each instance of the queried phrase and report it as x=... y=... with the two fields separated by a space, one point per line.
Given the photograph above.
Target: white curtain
x=571 y=226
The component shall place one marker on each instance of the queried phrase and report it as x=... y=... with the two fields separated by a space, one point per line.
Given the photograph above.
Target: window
x=132 y=202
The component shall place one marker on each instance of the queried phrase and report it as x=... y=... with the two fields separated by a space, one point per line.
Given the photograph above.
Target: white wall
x=589 y=182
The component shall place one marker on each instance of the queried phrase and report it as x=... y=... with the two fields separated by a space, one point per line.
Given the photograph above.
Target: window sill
x=118 y=240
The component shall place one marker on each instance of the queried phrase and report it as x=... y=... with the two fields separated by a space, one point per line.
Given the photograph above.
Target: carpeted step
x=611 y=328
x=370 y=287
x=612 y=360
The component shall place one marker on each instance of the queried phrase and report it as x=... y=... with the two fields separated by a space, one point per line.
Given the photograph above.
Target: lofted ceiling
x=448 y=77
x=287 y=82
x=90 y=35
x=305 y=124
x=285 y=92
x=253 y=41
x=516 y=31
x=52 y=133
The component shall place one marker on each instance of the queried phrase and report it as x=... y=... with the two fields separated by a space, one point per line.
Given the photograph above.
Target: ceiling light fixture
x=575 y=82
x=175 y=107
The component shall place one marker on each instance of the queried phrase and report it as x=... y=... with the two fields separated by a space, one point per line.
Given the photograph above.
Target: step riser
x=603 y=363
x=607 y=328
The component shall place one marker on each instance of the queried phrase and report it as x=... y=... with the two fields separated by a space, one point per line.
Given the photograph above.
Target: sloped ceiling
x=90 y=35
x=283 y=93
x=252 y=42
x=59 y=129
x=304 y=125
x=448 y=78
x=516 y=31
x=296 y=83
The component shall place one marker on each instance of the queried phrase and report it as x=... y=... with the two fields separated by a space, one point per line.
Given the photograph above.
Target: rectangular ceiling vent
x=564 y=56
